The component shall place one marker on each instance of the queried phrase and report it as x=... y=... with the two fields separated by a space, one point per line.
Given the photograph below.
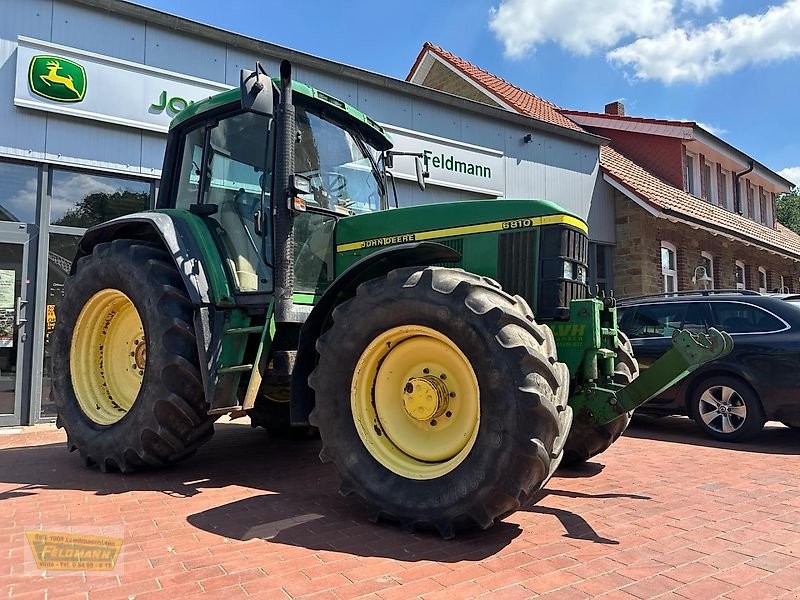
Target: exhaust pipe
x=284 y=215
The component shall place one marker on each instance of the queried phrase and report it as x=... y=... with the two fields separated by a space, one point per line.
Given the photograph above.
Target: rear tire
x=520 y=391
x=726 y=409
x=166 y=420
x=585 y=440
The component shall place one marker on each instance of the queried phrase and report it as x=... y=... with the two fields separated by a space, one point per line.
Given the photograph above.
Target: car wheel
x=726 y=409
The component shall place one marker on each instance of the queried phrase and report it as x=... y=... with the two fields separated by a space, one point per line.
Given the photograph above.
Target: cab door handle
x=18 y=320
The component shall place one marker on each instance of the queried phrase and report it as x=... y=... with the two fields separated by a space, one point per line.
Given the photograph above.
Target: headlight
x=567 y=270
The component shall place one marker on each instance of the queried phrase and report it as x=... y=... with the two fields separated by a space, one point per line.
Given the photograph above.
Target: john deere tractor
x=449 y=355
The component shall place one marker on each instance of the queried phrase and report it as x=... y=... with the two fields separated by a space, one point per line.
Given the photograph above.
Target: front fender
x=378 y=263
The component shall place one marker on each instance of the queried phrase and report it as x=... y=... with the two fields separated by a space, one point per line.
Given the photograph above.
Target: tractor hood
x=362 y=234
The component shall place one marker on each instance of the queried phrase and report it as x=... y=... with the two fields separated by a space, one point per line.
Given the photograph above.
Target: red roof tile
x=663 y=196
x=520 y=100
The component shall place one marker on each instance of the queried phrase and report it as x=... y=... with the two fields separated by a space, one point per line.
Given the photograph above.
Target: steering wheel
x=330 y=182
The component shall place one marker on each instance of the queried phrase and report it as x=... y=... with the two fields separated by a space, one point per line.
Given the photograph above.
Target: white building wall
x=550 y=167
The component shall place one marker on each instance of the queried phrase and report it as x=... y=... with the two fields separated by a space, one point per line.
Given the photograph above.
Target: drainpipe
x=737 y=194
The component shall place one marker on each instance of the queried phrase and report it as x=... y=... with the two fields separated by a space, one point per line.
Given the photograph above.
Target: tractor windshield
x=341 y=167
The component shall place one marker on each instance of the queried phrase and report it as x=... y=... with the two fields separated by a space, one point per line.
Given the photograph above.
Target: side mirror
x=300 y=184
x=257 y=91
x=421 y=174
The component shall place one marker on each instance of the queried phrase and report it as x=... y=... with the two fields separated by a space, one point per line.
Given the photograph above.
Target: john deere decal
x=57 y=78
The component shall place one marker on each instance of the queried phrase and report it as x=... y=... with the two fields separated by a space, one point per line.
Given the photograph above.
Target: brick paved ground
x=663 y=513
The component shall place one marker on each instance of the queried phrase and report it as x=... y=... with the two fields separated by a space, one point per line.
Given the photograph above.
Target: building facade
x=690 y=210
x=87 y=91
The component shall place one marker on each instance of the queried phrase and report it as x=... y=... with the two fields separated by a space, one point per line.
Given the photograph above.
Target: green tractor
x=272 y=280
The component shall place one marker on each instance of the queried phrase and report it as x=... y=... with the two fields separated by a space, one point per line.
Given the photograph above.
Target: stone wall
x=637 y=256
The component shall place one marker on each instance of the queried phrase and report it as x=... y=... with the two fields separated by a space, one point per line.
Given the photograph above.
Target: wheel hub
x=425 y=398
x=108 y=355
x=140 y=354
x=416 y=402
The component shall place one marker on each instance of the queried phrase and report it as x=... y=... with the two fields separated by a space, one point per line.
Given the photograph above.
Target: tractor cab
x=223 y=166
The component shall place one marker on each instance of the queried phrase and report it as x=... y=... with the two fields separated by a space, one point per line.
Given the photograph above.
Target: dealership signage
x=82 y=84
x=73 y=82
x=450 y=163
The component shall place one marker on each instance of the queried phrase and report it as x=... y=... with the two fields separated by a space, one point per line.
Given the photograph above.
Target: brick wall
x=660 y=155
x=637 y=256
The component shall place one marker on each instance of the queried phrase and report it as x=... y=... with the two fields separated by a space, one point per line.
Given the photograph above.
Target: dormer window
x=688 y=175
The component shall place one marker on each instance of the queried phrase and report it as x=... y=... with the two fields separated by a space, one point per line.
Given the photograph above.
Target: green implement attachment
x=588 y=342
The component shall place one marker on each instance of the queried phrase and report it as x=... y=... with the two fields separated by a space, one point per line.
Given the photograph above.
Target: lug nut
x=452 y=394
x=409 y=387
x=426 y=370
x=433 y=422
x=448 y=414
x=442 y=376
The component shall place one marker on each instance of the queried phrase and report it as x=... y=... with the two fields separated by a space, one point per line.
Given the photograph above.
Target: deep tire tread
x=169 y=419
x=526 y=369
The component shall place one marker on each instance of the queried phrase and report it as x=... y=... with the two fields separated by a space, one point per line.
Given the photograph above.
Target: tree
x=101 y=206
x=788 y=209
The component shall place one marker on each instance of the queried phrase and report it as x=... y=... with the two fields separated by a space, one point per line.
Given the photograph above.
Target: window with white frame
x=705 y=183
x=688 y=174
x=707 y=262
x=762 y=280
x=669 y=269
x=783 y=285
x=740 y=280
x=723 y=188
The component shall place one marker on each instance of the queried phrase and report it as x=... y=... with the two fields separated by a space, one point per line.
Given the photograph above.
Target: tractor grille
x=563 y=259
x=515 y=266
x=456 y=244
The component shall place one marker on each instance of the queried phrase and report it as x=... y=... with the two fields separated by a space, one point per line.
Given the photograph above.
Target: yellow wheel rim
x=108 y=355
x=415 y=402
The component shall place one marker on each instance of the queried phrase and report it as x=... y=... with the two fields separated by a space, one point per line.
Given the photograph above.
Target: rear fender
x=378 y=263
x=200 y=267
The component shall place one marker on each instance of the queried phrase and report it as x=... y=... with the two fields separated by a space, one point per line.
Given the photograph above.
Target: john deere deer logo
x=57 y=78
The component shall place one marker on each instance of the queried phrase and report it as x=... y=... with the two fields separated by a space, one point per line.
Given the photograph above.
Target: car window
x=696 y=319
x=738 y=317
x=656 y=320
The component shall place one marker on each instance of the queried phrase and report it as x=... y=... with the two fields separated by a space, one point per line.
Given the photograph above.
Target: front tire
x=726 y=409
x=439 y=399
x=586 y=440
x=126 y=377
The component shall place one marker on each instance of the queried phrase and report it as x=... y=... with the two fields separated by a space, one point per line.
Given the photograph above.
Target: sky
x=731 y=65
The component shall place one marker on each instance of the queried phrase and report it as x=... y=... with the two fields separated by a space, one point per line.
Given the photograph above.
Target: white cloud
x=685 y=54
x=698 y=6
x=791 y=173
x=712 y=129
x=580 y=26
x=73 y=188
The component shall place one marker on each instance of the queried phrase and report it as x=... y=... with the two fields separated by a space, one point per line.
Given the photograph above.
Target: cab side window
x=191 y=159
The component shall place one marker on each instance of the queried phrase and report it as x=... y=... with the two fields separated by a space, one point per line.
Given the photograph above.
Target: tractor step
x=245 y=330
x=235 y=369
x=222 y=410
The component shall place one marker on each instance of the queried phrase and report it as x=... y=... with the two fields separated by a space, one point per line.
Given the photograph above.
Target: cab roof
x=339 y=110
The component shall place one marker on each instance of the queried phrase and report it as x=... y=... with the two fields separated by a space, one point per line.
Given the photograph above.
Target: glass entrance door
x=13 y=330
